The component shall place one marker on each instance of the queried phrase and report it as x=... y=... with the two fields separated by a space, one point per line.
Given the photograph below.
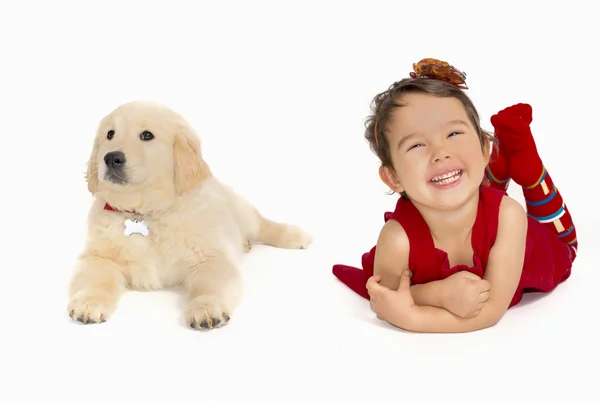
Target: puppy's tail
x=282 y=235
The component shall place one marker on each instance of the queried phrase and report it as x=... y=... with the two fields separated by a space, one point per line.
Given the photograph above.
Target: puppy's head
x=144 y=150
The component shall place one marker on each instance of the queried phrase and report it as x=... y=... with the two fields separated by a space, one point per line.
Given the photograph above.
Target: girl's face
x=436 y=153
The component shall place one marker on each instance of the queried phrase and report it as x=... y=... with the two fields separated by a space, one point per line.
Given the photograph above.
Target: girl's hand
x=465 y=294
x=396 y=307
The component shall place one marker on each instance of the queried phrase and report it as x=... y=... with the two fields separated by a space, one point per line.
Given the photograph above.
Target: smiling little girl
x=457 y=252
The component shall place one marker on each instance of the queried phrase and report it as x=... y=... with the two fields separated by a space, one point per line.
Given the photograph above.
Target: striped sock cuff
x=539 y=180
x=567 y=232
x=544 y=201
x=572 y=252
x=491 y=177
x=549 y=218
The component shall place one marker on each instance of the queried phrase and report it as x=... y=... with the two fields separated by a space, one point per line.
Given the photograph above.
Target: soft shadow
x=182 y=304
x=530 y=298
x=367 y=316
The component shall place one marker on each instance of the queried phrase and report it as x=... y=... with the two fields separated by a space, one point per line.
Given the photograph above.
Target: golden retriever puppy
x=160 y=218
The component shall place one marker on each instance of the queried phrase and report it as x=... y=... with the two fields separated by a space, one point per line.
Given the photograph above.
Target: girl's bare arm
x=391 y=260
x=503 y=272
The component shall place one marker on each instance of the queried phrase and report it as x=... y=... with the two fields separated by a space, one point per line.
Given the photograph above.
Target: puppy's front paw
x=92 y=306
x=206 y=313
x=293 y=237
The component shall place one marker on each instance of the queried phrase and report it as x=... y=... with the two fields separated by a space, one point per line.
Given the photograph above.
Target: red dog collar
x=112 y=209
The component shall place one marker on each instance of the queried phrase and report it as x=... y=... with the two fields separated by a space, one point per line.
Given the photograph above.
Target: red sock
x=545 y=204
x=543 y=200
x=497 y=169
x=516 y=142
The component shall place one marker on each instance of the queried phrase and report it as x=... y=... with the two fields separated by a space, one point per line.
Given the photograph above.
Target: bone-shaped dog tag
x=136 y=227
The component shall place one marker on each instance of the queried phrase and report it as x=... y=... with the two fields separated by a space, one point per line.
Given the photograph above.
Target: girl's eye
x=454 y=134
x=415 y=146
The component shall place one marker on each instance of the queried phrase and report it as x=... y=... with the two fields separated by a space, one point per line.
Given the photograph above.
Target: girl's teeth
x=447 y=178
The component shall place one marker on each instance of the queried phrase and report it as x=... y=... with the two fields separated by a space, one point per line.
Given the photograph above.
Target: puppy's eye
x=110 y=134
x=146 y=136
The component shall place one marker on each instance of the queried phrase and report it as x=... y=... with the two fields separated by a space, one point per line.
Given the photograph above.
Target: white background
x=278 y=92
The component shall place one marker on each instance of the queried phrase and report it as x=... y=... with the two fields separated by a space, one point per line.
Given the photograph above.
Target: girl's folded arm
x=391 y=255
x=391 y=260
x=503 y=271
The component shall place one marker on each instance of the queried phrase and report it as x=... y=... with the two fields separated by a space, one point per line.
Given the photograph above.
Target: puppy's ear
x=91 y=175
x=190 y=167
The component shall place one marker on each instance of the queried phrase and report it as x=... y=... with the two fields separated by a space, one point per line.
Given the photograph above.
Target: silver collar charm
x=136 y=226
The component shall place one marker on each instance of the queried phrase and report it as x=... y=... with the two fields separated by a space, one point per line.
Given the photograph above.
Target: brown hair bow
x=441 y=70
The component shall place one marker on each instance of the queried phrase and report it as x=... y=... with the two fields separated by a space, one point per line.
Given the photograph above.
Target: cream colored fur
x=199 y=228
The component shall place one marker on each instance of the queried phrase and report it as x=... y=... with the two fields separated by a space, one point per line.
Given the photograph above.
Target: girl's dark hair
x=384 y=104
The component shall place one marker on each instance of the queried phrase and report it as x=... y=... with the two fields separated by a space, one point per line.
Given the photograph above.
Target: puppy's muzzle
x=115 y=167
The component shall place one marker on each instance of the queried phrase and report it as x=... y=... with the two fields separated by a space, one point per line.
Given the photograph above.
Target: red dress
x=547 y=258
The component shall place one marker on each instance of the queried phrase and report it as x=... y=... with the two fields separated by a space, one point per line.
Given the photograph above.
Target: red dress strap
x=485 y=228
x=422 y=248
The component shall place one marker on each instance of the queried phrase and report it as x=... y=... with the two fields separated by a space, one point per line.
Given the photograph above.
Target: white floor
x=279 y=94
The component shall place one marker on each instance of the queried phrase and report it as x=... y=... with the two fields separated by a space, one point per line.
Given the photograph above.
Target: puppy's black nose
x=114 y=159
